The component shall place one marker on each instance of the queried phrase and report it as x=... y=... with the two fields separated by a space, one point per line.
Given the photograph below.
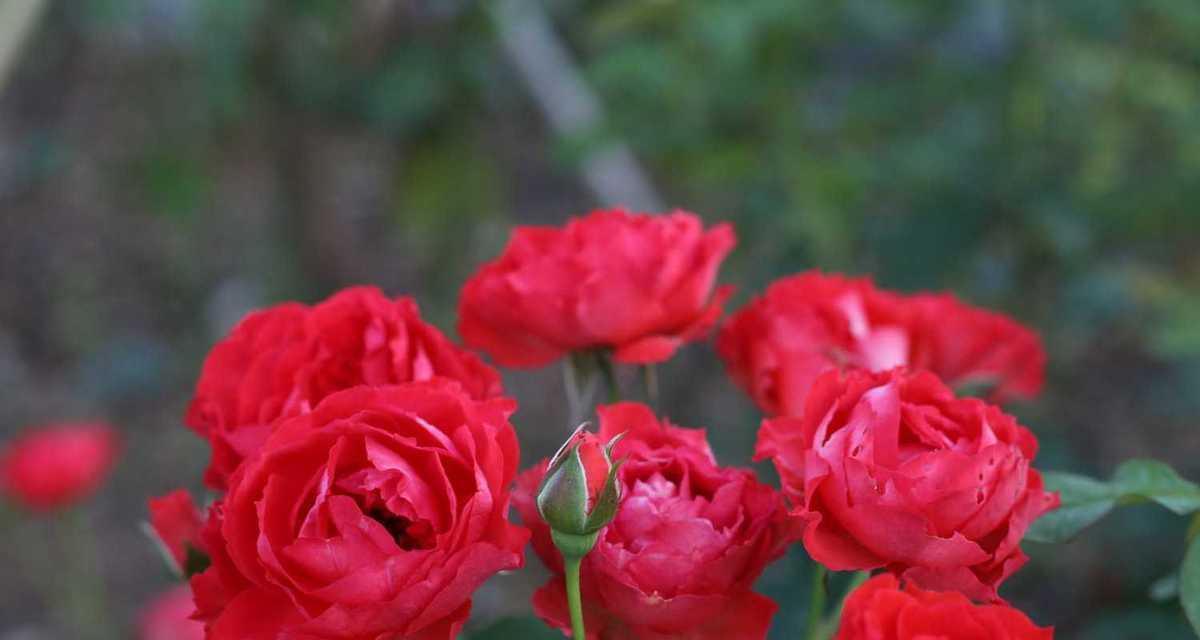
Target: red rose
x=686 y=545
x=968 y=345
x=880 y=610
x=596 y=465
x=177 y=523
x=56 y=465
x=169 y=617
x=809 y=323
x=376 y=515
x=892 y=470
x=639 y=284
x=283 y=360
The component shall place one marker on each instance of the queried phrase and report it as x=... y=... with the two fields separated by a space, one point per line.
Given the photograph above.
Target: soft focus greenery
x=168 y=164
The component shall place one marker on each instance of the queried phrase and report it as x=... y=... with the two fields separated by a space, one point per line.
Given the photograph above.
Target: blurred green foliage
x=1037 y=157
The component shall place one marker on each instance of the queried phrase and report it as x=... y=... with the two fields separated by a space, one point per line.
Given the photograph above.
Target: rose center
x=409 y=534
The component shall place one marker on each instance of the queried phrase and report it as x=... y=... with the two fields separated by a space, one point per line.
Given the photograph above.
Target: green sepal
x=562 y=498
x=607 y=502
x=574 y=546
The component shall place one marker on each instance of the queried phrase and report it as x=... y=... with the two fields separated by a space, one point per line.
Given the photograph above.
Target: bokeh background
x=167 y=165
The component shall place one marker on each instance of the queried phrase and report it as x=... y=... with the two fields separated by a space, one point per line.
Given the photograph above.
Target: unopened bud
x=580 y=494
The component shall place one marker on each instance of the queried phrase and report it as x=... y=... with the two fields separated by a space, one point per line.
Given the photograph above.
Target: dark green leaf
x=1153 y=480
x=1165 y=588
x=1084 y=501
x=1189 y=584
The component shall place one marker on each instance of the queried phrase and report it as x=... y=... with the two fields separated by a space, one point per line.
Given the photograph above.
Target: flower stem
x=579 y=382
x=83 y=596
x=650 y=380
x=835 y=617
x=610 y=376
x=574 y=394
x=571 y=566
x=816 y=603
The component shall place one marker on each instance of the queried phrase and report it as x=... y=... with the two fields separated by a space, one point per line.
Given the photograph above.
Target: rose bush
x=804 y=325
x=638 y=284
x=686 y=545
x=893 y=470
x=881 y=610
x=282 y=361
x=376 y=515
x=54 y=466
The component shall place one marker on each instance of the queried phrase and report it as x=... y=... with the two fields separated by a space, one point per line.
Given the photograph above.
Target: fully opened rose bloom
x=881 y=610
x=374 y=516
x=809 y=323
x=283 y=360
x=57 y=465
x=169 y=617
x=638 y=284
x=892 y=470
x=686 y=545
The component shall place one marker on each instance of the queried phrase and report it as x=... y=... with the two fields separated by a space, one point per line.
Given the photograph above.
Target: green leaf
x=1165 y=588
x=1084 y=501
x=1153 y=480
x=525 y=627
x=1189 y=585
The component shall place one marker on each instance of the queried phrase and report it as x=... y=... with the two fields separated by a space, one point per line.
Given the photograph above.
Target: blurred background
x=167 y=165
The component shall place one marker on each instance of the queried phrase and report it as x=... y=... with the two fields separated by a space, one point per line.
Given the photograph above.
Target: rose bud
x=54 y=466
x=881 y=610
x=176 y=524
x=639 y=285
x=579 y=494
x=281 y=361
x=376 y=515
x=682 y=553
x=891 y=470
x=806 y=324
x=169 y=617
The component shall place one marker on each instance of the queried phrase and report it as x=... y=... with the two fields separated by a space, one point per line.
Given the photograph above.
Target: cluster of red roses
x=367 y=463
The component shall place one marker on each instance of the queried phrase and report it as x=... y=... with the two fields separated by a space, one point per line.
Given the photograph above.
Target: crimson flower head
x=282 y=361
x=57 y=465
x=376 y=515
x=638 y=284
x=680 y=557
x=804 y=325
x=892 y=470
x=881 y=610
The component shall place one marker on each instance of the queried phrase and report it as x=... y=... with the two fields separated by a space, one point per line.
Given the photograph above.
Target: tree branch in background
x=611 y=172
x=18 y=19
